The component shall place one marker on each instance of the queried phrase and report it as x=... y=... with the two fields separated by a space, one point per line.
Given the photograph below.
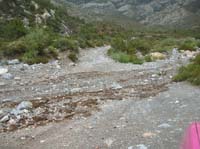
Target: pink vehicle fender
x=192 y=137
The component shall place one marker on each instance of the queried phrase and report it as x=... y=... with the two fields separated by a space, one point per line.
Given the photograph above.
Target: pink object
x=192 y=137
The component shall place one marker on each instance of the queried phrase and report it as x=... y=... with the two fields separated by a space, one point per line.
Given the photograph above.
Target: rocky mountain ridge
x=150 y=12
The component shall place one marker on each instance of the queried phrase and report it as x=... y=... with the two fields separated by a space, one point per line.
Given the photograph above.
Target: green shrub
x=148 y=58
x=72 y=56
x=190 y=72
x=52 y=52
x=124 y=57
x=13 y=49
x=65 y=43
x=32 y=48
x=188 y=44
x=198 y=43
x=12 y=29
x=164 y=45
x=90 y=43
x=141 y=45
x=38 y=39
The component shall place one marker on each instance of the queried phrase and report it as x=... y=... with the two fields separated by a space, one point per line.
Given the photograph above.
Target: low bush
x=148 y=58
x=190 y=72
x=13 y=49
x=73 y=57
x=166 y=44
x=65 y=43
x=188 y=44
x=12 y=29
x=124 y=57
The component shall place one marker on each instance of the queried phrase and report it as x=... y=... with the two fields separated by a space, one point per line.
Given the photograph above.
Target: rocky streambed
x=35 y=95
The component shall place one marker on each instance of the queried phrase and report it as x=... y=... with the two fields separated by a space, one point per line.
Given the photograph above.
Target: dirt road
x=96 y=104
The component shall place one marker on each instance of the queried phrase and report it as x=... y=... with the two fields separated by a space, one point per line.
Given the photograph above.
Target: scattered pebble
x=3 y=70
x=7 y=76
x=130 y=147
x=109 y=142
x=25 y=105
x=141 y=146
x=4 y=119
x=148 y=135
x=164 y=125
x=42 y=141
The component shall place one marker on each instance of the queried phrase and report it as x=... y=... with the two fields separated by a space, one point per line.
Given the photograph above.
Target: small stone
x=7 y=76
x=154 y=75
x=16 y=112
x=109 y=142
x=116 y=86
x=2 y=84
x=164 y=125
x=17 y=78
x=72 y=64
x=142 y=146
x=3 y=70
x=74 y=90
x=130 y=147
x=12 y=122
x=4 y=119
x=42 y=141
x=25 y=105
x=23 y=138
x=148 y=135
x=13 y=62
x=177 y=101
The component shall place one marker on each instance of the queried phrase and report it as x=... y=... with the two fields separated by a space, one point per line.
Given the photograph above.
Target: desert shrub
x=188 y=44
x=198 y=43
x=32 y=57
x=65 y=43
x=90 y=43
x=13 y=49
x=164 y=45
x=124 y=57
x=142 y=45
x=73 y=57
x=148 y=58
x=52 y=52
x=38 y=39
x=82 y=43
x=190 y=72
x=12 y=29
x=119 y=44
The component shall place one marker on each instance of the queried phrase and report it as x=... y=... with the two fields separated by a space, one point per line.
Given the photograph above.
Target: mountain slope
x=150 y=12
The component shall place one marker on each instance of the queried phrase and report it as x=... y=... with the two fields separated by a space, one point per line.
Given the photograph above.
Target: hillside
x=149 y=12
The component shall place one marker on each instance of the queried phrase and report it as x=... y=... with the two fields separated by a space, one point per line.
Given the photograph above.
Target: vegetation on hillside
x=36 y=31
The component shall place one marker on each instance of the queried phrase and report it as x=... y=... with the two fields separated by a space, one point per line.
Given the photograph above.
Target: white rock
x=13 y=62
x=130 y=147
x=17 y=78
x=142 y=146
x=2 y=84
x=4 y=119
x=164 y=125
x=7 y=76
x=116 y=86
x=3 y=70
x=12 y=122
x=25 y=105
x=72 y=64
x=42 y=141
x=109 y=142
